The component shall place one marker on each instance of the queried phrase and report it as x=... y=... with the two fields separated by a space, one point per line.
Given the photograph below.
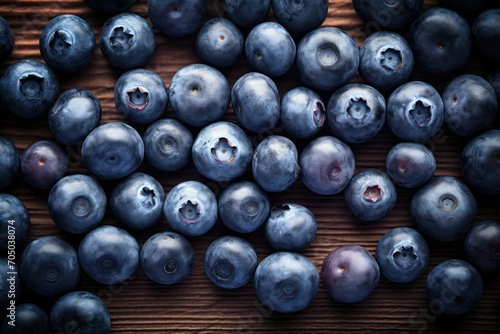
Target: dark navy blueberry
x=113 y=150
x=199 y=94
x=110 y=6
x=77 y=203
x=43 y=163
x=387 y=14
x=220 y=42
x=222 y=151
x=14 y=221
x=444 y=208
x=464 y=6
x=67 y=43
x=482 y=246
x=415 y=111
x=74 y=115
x=10 y=163
x=410 y=165
x=286 y=282
x=454 y=287
x=246 y=14
x=356 y=112
x=486 y=34
x=191 y=208
x=303 y=112
x=350 y=274
x=7 y=41
x=256 y=102
x=127 y=41
x=327 y=165
x=137 y=201
x=167 y=145
x=300 y=17
x=141 y=96
x=494 y=80
x=109 y=254
x=9 y=281
x=402 y=254
x=177 y=18
x=29 y=88
x=167 y=257
x=327 y=58
x=243 y=206
x=30 y=318
x=230 y=262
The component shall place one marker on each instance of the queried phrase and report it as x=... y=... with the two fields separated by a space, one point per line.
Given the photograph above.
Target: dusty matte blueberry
x=10 y=162
x=110 y=6
x=7 y=42
x=7 y=280
x=30 y=318
x=482 y=246
x=14 y=221
x=300 y=17
x=246 y=14
x=387 y=14
x=485 y=31
x=177 y=18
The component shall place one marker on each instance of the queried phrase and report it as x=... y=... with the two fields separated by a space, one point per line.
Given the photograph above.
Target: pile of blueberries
x=326 y=59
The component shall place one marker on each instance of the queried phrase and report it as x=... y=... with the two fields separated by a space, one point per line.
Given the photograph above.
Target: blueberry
x=230 y=262
x=110 y=6
x=222 y=151
x=177 y=18
x=74 y=115
x=127 y=41
x=167 y=145
x=470 y=105
x=275 y=163
x=199 y=94
x=444 y=208
x=137 y=201
x=167 y=258
x=256 y=102
x=402 y=254
x=243 y=206
x=494 y=80
x=113 y=150
x=482 y=246
x=77 y=203
x=465 y=7
x=415 y=111
x=370 y=195
x=410 y=165
x=303 y=113
x=14 y=220
x=327 y=58
x=454 y=287
x=10 y=162
x=29 y=88
x=286 y=282
x=191 y=208
x=387 y=14
x=290 y=227
x=485 y=32
x=350 y=274
x=327 y=165
x=7 y=42
x=30 y=318
x=356 y=112
x=141 y=96
x=300 y=17
x=67 y=43
x=109 y=254
x=246 y=14
x=9 y=281
x=80 y=310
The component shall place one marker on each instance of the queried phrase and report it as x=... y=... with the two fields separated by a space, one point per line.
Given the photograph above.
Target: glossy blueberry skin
x=243 y=206
x=82 y=310
x=113 y=150
x=327 y=165
x=77 y=203
x=7 y=42
x=222 y=151
x=270 y=49
x=167 y=258
x=454 y=287
x=13 y=210
x=482 y=246
x=167 y=145
x=275 y=164
x=109 y=254
x=387 y=15
x=49 y=266
x=402 y=254
x=415 y=111
x=441 y=41
x=327 y=58
x=127 y=41
x=141 y=96
x=230 y=262
x=410 y=165
x=6 y=280
x=30 y=318
x=191 y=208
x=286 y=282
x=29 y=88
x=356 y=113
x=199 y=94
x=220 y=42
x=444 y=208
x=43 y=163
x=246 y=14
x=74 y=115
x=485 y=32
x=137 y=201
x=300 y=17
x=256 y=102
x=10 y=163
x=350 y=274
x=110 y=6
x=176 y=18
x=385 y=60
x=67 y=43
